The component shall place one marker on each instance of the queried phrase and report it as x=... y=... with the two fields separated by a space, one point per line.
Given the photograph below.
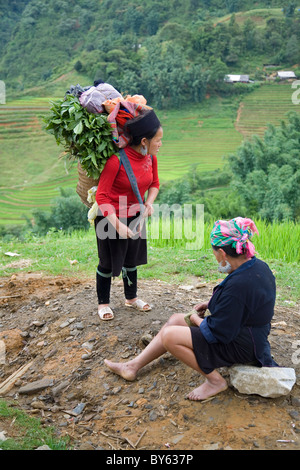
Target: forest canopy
x=171 y=51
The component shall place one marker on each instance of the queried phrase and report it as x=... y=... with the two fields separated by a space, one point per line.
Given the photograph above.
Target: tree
x=168 y=79
x=292 y=53
x=67 y=213
x=289 y=10
x=266 y=172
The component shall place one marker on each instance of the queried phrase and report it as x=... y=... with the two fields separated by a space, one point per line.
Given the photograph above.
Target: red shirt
x=114 y=183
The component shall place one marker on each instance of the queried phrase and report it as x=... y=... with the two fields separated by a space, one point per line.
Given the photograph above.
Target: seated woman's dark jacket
x=242 y=307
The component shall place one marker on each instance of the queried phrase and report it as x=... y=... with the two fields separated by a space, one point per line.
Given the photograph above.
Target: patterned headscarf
x=235 y=232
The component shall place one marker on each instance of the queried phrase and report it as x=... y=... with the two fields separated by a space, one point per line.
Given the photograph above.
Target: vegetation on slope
x=172 y=52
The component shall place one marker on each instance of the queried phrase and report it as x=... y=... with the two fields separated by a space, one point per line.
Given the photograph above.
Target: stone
x=153 y=415
x=176 y=439
x=67 y=322
x=79 y=409
x=86 y=356
x=38 y=405
x=295 y=401
x=271 y=382
x=36 y=386
x=60 y=387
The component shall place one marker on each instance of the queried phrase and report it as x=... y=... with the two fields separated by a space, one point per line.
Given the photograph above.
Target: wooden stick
x=10 y=296
x=140 y=438
x=11 y=380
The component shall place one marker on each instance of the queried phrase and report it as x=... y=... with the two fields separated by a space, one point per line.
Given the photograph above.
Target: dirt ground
x=53 y=323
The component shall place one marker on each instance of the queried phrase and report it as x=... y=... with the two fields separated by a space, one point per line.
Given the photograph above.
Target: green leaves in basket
x=86 y=137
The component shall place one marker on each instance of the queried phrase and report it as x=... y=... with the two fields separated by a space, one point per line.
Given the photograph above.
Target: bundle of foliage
x=266 y=172
x=86 y=137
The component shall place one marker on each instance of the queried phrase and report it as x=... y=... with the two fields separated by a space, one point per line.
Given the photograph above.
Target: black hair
x=229 y=250
x=136 y=139
x=98 y=82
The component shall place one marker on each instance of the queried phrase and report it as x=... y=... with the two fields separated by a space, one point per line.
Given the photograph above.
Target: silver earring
x=144 y=151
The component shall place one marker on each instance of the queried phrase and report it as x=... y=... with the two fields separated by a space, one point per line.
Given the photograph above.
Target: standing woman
x=120 y=249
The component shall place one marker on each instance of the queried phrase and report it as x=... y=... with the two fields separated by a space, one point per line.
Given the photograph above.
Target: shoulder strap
x=126 y=163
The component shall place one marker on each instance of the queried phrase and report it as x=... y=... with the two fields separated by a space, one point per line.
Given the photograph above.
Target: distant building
x=286 y=75
x=237 y=78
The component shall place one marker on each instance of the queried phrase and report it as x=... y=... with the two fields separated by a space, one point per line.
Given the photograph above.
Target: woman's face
x=155 y=143
x=223 y=265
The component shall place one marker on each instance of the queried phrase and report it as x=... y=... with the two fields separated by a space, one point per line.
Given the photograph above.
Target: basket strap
x=126 y=163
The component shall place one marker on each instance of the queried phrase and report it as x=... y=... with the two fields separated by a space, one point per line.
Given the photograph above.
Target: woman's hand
x=195 y=319
x=124 y=231
x=201 y=309
x=148 y=210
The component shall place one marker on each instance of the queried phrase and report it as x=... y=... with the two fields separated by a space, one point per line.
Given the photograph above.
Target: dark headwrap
x=144 y=124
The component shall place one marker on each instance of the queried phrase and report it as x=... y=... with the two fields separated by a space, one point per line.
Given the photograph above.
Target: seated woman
x=237 y=329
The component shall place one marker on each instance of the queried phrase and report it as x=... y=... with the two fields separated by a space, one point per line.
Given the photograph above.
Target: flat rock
x=36 y=386
x=269 y=382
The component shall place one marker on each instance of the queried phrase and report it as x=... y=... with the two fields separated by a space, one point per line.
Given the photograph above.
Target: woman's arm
x=152 y=194
x=107 y=178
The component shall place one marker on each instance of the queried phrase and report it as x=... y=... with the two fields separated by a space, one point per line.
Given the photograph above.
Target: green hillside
x=176 y=53
x=173 y=52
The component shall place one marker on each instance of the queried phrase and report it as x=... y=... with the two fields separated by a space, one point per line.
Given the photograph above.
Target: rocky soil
x=51 y=325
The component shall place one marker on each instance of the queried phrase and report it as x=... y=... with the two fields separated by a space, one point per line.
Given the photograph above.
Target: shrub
x=67 y=213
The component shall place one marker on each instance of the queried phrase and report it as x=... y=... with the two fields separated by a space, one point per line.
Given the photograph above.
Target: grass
x=28 y=433
x=168 y=260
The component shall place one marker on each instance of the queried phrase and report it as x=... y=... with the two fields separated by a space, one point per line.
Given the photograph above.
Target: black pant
x=103 y=283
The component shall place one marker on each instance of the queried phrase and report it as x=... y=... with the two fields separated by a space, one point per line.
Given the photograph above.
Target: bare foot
x=126 y=371
x=207 y=390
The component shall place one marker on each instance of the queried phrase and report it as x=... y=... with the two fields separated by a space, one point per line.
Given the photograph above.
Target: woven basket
x=84 y=184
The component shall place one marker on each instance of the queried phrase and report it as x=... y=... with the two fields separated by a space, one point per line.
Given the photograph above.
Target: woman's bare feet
x=208 y=389
x=125 y=370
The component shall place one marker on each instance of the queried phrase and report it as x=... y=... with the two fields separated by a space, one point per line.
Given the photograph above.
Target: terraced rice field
x=32 y=173
x=196 y=138
x=268 y=104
